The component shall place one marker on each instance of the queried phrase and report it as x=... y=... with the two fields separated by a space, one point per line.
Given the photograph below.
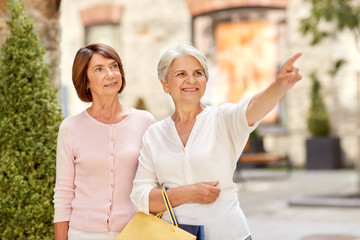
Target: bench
x=255 y=155
x=264 y=158
x=261 y=159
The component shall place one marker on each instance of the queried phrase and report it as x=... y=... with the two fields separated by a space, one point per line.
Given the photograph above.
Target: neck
x=186 y=113
x=107 y=110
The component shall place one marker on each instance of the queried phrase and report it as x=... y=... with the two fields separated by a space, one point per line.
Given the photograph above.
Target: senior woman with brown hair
x=194 y=151
x=97 y=152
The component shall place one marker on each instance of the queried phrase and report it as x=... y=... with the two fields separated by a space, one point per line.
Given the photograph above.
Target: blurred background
x=245 y=41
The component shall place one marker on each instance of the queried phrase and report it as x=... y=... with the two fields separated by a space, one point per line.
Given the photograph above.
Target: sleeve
x=233 y=118
x=64 y=185
x=145 y=179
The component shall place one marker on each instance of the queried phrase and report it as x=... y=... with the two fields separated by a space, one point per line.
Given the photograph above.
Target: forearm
x=203 y=193
x=176 y=195
x=263 y=102
x=61 y=230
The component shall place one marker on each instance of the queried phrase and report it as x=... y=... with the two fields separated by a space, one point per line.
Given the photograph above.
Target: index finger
x=291 y=60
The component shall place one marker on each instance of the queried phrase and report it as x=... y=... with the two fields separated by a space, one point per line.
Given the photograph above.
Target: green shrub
x=29 y=119
x=318 y=119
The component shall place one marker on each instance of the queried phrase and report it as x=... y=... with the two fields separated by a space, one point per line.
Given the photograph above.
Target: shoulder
x=73 y=121
x=159 y=127
x=143 y=115
x=242 y=104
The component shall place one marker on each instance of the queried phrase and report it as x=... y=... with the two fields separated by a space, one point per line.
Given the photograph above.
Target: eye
x=98 y=69
x=180 y=74
x=114 y=66
x=199 y=73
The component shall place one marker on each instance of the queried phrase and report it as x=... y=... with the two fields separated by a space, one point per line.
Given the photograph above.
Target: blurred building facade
x=245 y=41
x=140 y=30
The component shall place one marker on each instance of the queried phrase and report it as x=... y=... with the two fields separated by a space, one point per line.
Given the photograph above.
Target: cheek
x=118 y=75
x=93 y=81
x=203 y=84
x=203 y=81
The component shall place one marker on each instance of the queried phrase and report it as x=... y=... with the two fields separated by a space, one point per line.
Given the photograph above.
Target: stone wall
x=199 y=7
x=146 y=29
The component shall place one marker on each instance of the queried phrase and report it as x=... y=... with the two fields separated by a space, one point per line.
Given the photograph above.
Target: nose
x=109 y=73
x=191 y=79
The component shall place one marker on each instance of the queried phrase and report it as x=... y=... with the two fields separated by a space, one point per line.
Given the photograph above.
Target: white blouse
x=215 y=143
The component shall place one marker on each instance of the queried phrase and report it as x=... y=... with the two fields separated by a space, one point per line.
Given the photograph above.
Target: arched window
x=102 y=24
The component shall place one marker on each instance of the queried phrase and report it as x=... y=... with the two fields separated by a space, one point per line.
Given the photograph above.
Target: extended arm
x=263 y=102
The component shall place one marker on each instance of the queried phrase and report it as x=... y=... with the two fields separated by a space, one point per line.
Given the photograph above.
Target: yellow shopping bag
x=150 y=227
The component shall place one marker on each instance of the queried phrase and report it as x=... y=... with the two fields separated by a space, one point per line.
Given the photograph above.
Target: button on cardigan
x=95 y=168
x=215 y=143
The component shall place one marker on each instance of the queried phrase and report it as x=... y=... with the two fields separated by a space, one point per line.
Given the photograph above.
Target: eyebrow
x=101 y=65
x=182 y=70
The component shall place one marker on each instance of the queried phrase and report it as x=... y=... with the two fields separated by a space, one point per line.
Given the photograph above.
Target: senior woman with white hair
x=194 y=151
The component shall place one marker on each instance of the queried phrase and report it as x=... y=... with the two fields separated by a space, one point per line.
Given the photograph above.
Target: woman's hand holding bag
x=147 y=226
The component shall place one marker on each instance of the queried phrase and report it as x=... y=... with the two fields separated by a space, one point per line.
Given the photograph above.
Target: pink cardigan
x=95 y=167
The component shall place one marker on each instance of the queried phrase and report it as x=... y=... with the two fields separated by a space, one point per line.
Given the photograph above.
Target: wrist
x=278 y=88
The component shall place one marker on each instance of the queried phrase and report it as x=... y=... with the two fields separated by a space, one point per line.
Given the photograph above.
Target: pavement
x=301 y=205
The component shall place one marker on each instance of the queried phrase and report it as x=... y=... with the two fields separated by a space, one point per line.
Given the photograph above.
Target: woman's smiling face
x=186 y=81
x=104 y=76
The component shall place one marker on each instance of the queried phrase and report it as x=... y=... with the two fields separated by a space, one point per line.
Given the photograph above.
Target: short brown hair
x=81 y=63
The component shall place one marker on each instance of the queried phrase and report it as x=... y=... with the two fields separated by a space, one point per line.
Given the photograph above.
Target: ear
x=165 y=86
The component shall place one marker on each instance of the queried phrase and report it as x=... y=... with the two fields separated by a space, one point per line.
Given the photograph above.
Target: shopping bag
x=150 y=227
x=197 y=230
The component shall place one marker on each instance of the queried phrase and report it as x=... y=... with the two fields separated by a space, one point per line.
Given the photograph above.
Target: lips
x=190 y=89
x=111 y=84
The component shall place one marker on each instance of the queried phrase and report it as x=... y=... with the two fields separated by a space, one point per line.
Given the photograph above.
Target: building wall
x=146 y=29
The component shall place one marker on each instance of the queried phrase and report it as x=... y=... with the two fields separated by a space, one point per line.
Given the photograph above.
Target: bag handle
x=169 y=208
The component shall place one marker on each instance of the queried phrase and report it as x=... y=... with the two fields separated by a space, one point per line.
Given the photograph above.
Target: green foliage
x=337 y=66
x=326 y=19
x=318 y=119
x=339 y=14
x=254 y=134
x=29 y=119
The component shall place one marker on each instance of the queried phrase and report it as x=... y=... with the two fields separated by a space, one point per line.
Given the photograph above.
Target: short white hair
x=180 y=50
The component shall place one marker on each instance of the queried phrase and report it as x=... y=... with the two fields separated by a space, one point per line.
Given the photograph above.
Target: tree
x=29 y=119
x=318 y=118
x=329 y=17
